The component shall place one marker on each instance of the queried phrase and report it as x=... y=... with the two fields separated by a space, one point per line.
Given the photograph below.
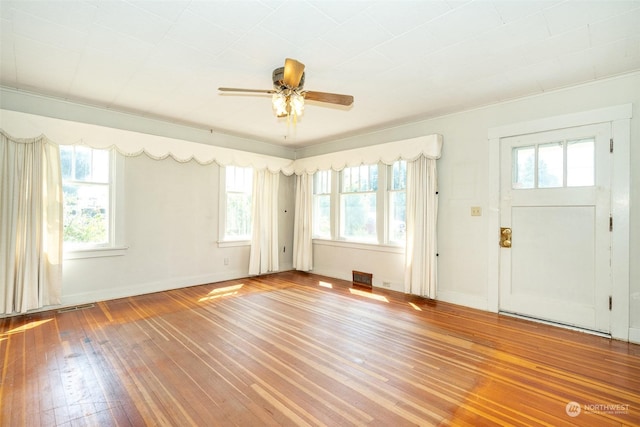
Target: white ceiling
x=401 y=60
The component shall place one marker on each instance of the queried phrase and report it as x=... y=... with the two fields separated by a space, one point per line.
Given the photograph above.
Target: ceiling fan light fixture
x=287 y=102
x=279 y=102
x=288 y=95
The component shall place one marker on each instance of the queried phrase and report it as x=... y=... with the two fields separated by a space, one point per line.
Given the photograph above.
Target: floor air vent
x=362 y=279
x=75 y=308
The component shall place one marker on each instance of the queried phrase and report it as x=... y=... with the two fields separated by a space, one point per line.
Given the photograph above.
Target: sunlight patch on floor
x=27 y=326
x=227 y=291
x=368 y=295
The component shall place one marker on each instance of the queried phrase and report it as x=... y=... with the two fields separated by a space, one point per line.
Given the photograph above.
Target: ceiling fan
x=288 y=91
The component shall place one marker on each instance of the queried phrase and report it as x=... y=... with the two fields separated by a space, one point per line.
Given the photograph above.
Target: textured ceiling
x=401 y=60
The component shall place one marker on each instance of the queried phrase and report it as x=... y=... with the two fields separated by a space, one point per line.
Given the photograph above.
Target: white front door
x=555 y=191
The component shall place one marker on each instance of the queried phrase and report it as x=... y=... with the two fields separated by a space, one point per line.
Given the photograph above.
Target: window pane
x=397 y=225
x=322 y=216
x=358 y=217
x=100 y=166
x=359 y=179
x=66 y=159
x=373 y=177
x=82 y=163
x=238 y=185
x=86 y=196
x=238 y=218
x=322 y=182
x=239 y=179
x=399 y=175
x=86 y=214
x=580 y=163
x=524 y=167
x=551 y=165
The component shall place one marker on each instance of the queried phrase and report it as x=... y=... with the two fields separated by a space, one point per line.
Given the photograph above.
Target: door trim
x=620 y=118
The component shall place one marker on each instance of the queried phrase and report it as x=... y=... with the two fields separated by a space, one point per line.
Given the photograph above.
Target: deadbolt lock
x=505 y=237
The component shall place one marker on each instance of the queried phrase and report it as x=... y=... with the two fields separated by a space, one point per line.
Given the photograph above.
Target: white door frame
x=620 y=119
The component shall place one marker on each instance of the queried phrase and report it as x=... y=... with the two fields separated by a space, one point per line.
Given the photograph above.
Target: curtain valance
x=429 y=146
x=130 y=143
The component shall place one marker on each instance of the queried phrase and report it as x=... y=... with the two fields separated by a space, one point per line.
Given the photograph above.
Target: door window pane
x=551 y=165
x=524 y=167
x=580 y=163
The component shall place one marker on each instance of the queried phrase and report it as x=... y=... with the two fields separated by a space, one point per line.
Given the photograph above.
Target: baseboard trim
x=634 y=335
x=466 y=300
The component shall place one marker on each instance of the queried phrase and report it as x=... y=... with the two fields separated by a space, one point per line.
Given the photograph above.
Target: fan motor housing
x=278 y=79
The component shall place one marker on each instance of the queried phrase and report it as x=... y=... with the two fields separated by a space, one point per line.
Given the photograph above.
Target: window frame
x=372 y=189
x=326 y=194
x=223 y=240
x=115 y=245
x=383 y=215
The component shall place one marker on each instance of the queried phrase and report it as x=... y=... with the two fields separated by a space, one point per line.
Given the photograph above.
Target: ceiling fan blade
x=332 y=98
x=234 y=89
x=293 y=72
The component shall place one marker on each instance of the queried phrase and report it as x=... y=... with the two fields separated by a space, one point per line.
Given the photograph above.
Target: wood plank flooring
x=296 y=349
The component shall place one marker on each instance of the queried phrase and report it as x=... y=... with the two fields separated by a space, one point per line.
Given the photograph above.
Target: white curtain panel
x=302 y=231
x=422 y=212
x=30 y=224
x=263 y=255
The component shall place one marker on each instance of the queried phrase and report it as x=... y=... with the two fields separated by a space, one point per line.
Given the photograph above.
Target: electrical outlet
x=476 y=211
x=226 y=261
x=386 y=284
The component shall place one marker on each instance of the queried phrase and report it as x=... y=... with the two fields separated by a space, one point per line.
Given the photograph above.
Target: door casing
x=620 y=119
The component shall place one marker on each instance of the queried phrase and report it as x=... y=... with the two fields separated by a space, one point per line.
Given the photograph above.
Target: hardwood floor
x=287 y=349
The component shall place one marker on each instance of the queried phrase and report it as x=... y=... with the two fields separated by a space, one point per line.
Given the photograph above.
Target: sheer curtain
x=30 y=224
x=302 y=231
x=422 y=211
x=263 y=255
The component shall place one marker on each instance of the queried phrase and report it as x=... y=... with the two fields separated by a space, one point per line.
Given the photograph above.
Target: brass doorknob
x=505 y=237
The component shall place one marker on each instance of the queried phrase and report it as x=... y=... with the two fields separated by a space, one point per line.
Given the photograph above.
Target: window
x=365 y=204
x=556 y=164
x=322 y=204
x=397 y=202
x=87 y=196
x=238 y=190
x=358 y=210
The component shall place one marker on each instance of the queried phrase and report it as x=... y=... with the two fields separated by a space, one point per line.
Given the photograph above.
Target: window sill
x=233 y=243
x=96 y=252
x=360 y=245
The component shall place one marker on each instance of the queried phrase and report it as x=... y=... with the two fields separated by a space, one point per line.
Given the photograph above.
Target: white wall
x=463 y=174
x=171 y=230
x=174 y=244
